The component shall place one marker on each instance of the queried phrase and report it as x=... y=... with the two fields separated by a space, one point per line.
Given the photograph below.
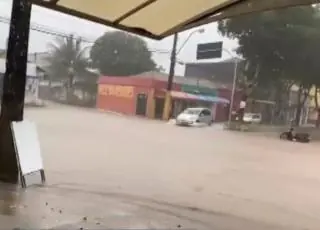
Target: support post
x=12 y=103
x=167 y=102
x=234 y=87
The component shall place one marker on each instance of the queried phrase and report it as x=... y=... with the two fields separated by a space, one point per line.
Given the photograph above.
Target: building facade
x=144 y=94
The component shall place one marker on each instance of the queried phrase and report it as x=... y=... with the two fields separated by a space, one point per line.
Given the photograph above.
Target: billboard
x=209 y=50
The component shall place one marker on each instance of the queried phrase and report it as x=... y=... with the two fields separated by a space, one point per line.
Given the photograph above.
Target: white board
x=28 y=146
x=32 y=90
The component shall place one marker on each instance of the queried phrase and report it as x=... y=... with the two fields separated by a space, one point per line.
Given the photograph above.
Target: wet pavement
x=121 y=172
x=49 y=207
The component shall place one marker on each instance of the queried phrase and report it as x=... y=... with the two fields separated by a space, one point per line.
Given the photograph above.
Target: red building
x=143 y=95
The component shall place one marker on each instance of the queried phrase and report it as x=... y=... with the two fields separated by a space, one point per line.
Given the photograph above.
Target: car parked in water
x=194 y=116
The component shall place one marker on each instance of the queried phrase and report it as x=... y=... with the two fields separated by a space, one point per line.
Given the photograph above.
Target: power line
x=46 y=30
x=49 y=31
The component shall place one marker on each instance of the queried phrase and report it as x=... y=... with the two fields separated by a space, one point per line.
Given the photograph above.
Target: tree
x=280 y=48
x=121 y=54
x=67 y=63
x=67 y=60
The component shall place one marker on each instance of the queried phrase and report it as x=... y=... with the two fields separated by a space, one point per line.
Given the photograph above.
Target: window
x=192 y=111
x=206 y=113
x=256 y=116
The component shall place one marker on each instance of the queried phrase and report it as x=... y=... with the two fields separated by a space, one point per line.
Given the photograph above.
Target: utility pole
x=173 y=60
x=173 y=57
x=234 y=87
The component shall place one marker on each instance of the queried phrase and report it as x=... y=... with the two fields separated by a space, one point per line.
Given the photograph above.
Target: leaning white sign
x=28 y=149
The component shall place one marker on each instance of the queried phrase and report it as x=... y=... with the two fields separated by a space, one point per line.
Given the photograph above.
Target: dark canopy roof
x=160 y=18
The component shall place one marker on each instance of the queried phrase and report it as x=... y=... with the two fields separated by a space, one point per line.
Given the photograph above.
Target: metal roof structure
x=160 y=18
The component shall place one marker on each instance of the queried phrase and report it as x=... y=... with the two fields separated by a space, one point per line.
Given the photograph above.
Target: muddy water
x=260 y=179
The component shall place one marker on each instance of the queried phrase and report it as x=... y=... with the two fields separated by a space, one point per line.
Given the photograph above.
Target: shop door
x=141 y=104
x=159 y=107
x=214 y=111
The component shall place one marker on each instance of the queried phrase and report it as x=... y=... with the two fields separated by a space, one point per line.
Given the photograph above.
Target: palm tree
x=65 y=54
x=67 y=61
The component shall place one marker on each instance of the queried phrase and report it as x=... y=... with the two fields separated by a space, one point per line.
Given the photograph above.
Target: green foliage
x=280 y=47
x=120 y=54
x=67 y=53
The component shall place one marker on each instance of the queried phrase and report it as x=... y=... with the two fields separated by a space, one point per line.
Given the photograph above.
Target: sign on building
x=116 y=90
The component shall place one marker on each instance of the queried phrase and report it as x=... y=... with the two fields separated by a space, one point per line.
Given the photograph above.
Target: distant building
x=218 y=72
x=144 y=94
x=32 y=83
x=40 y=59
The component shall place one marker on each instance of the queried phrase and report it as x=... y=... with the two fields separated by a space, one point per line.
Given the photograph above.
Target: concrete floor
x=201 y=177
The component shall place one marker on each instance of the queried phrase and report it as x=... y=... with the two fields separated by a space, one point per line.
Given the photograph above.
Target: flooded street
x=206 y=177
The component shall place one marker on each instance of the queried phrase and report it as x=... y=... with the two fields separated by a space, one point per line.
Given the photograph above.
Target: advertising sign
x=209 y=50
x=116 y=90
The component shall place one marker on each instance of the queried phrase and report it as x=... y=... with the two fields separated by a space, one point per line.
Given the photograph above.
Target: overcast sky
x=89 y=30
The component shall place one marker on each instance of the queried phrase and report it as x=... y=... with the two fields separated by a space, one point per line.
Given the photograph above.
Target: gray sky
x=89 y=30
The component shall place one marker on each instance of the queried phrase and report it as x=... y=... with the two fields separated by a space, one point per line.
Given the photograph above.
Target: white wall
x=32 y=82
x=31 y=68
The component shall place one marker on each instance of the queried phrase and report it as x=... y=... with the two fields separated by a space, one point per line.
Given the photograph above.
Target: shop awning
x=160 y=18
x=197 y=97
x=213 y=99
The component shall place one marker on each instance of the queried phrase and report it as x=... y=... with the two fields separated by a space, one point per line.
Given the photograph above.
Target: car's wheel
x=210 y=123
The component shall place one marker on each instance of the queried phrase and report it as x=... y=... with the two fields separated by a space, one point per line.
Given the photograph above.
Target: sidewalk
x=54 y=208
x=62 y=208
x=49 y=208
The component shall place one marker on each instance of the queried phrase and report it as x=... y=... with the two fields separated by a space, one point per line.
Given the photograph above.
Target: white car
x=254 y=118
x=193 y=116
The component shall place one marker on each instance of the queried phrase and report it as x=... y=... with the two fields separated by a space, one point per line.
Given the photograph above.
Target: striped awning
x=160 y=18
x=197 y=97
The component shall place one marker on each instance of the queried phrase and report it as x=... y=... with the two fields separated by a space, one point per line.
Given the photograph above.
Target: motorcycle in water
x=290 y=135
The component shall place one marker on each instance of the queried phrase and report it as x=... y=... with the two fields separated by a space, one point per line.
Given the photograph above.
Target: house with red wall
x=143 y=95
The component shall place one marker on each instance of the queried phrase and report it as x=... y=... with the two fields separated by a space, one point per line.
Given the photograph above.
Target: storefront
x=145 y=97
x=125 y=99
x=182 y=100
